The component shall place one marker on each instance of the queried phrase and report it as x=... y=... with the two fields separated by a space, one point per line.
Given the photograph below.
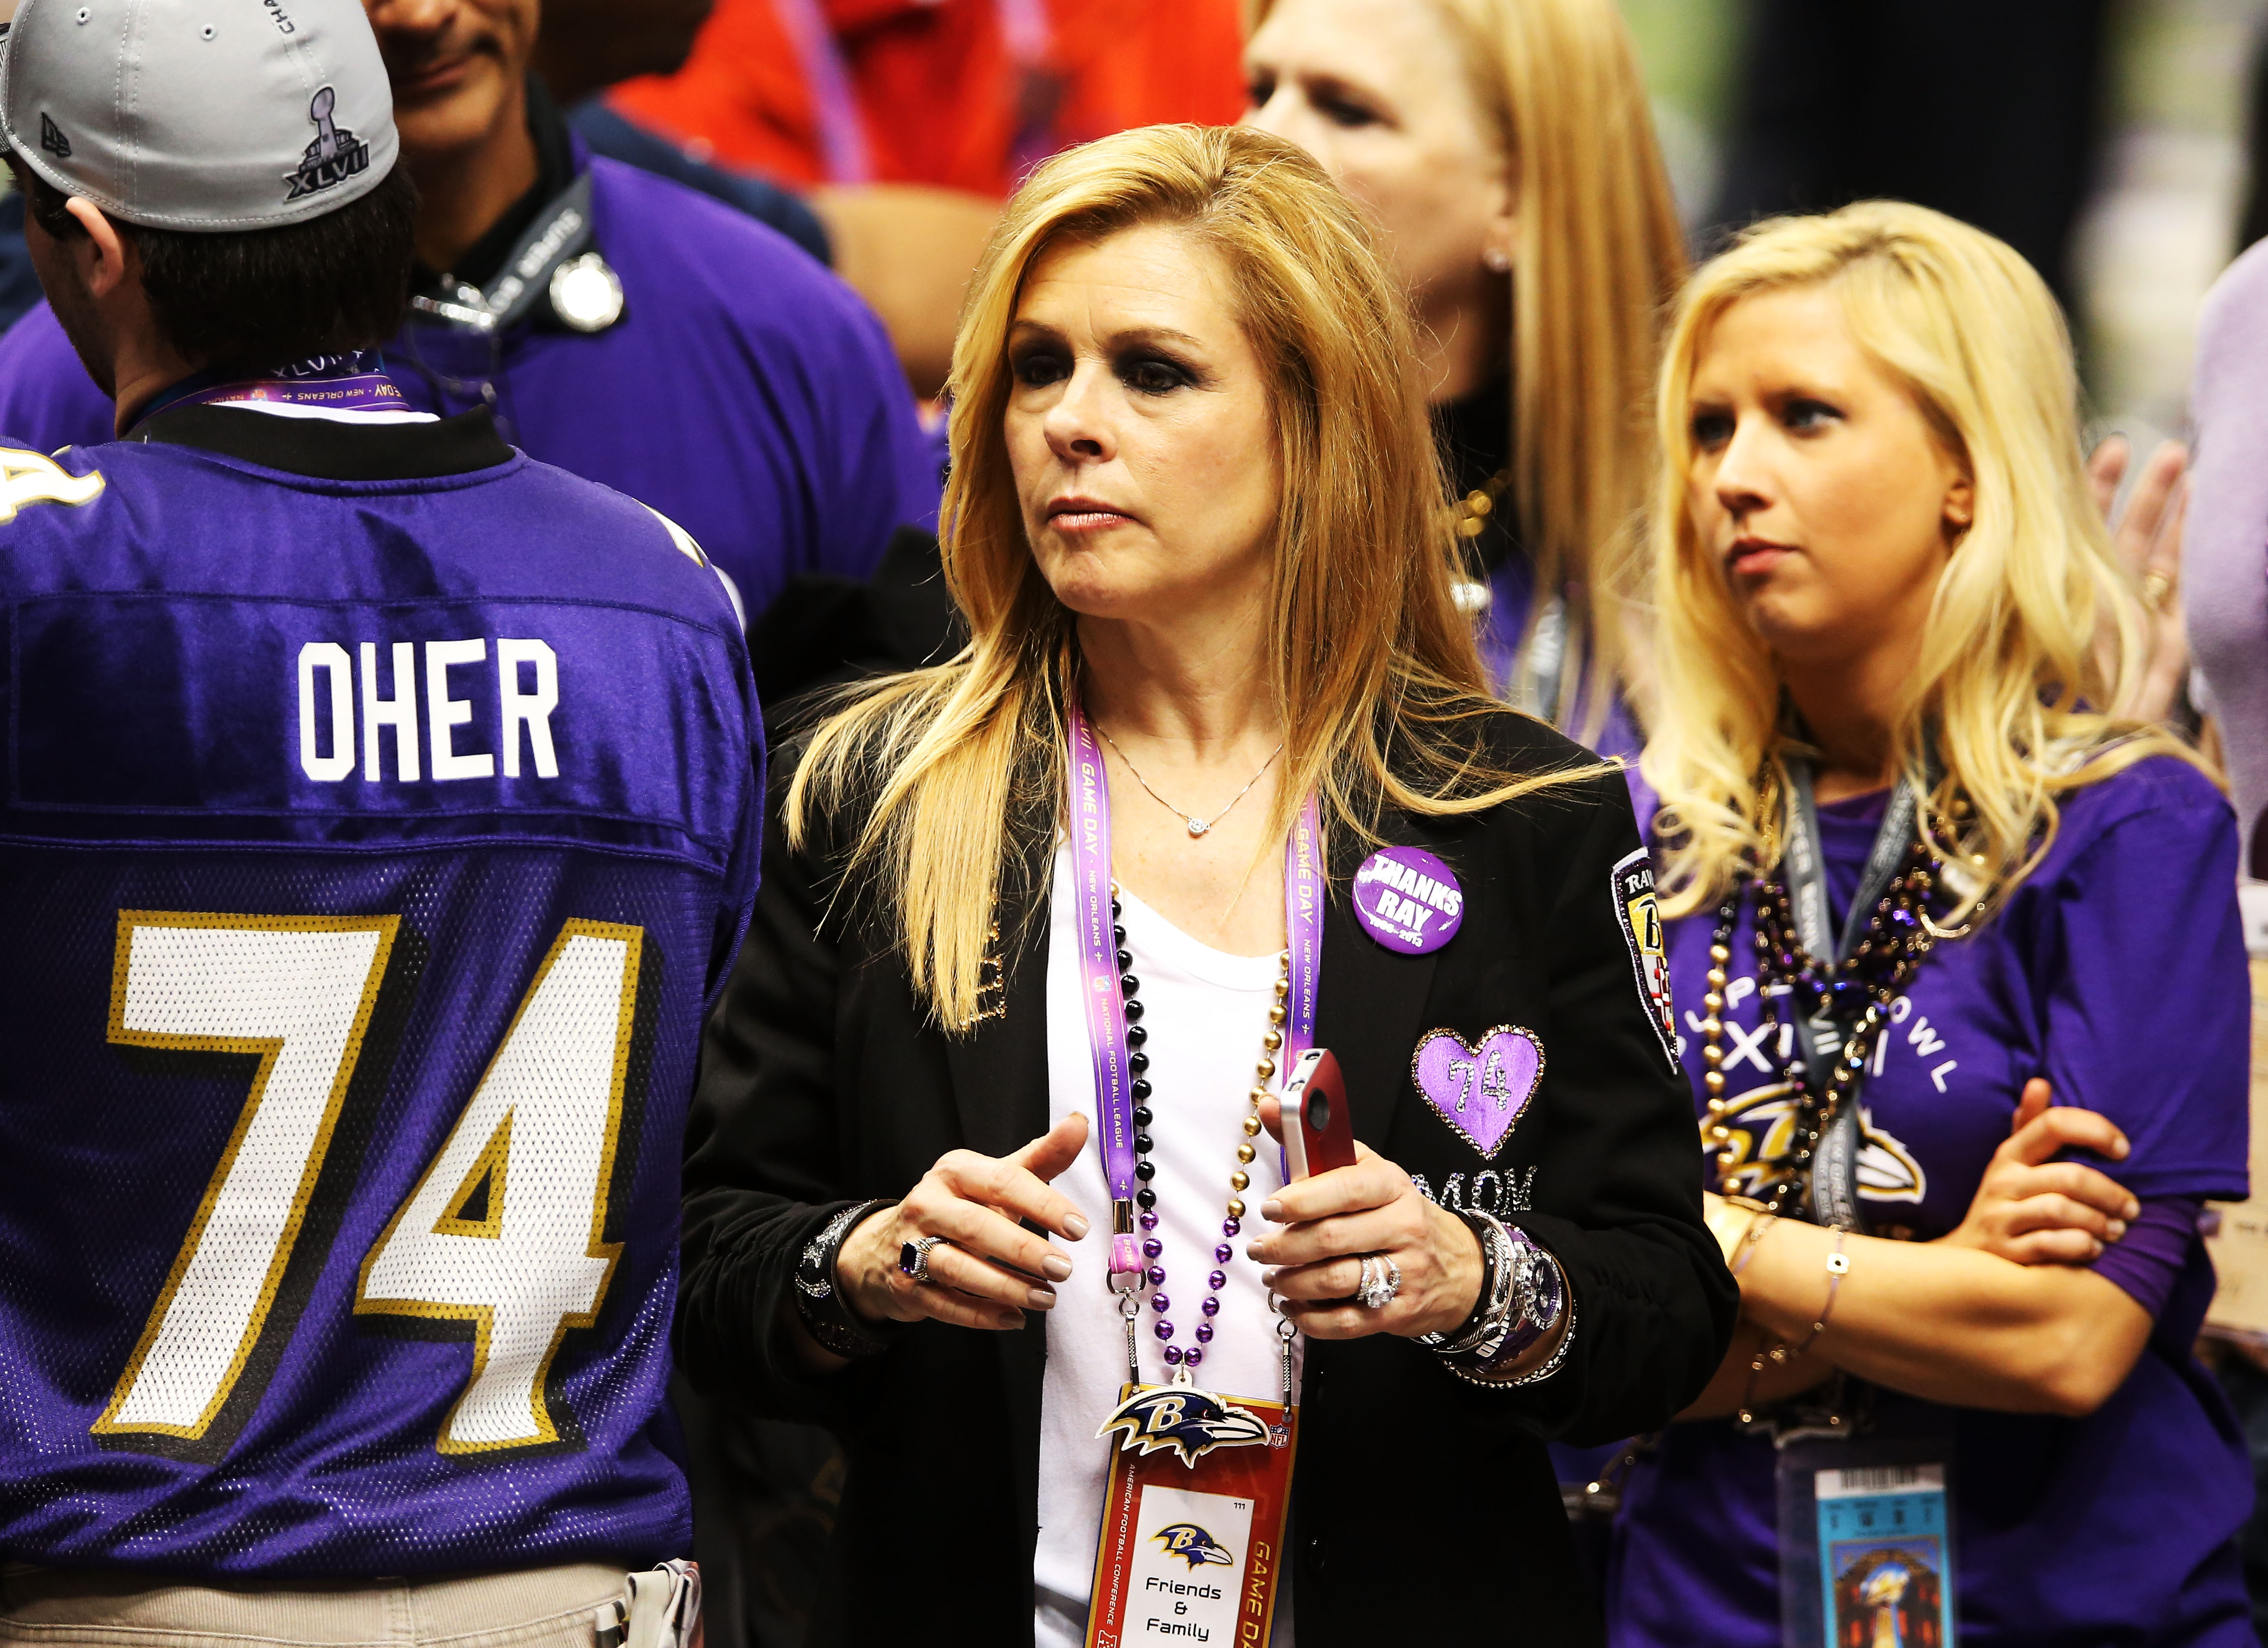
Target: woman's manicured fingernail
x=1075 y=1228
x=1057 y=1268
x=2096 y=1250
x=1010 y=1320
x=1042 y=1299
x=1257 y=1252
x=2117 y=1228
x=1272 y=1210
x=2120 y=1149
x=2133 y=1208
x=1268 y=1279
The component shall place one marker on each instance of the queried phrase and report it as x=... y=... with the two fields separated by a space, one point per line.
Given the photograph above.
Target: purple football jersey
x=2117 y=971
x=373 y=847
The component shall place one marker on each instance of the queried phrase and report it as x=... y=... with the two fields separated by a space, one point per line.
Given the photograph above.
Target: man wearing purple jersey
x=621 y=325
x=381 y=812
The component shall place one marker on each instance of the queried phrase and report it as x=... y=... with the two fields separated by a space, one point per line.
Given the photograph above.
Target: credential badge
x=1641 y=922
x=334 y=156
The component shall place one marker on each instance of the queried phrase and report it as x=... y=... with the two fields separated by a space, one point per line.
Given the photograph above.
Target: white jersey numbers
x=28 y=477
x=504 y=1230
x=296 y=992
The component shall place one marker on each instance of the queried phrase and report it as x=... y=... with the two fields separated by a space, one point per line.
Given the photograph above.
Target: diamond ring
x=913 y=1258
x=1382 y=1280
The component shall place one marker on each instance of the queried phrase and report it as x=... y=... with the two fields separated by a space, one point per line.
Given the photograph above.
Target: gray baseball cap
x=199 y=114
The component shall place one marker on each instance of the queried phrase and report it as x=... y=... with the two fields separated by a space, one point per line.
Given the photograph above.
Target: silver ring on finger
x=1382 y=1280
x=913 y=1258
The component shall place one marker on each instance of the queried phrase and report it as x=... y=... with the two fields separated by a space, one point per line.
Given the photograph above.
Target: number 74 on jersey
x=504 y=1230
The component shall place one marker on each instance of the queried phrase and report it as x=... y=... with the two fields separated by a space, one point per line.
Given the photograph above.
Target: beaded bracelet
x=819 y=1300
x=1838 y=1266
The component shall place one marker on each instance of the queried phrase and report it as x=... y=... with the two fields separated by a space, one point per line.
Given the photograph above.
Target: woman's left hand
x=1334 y=1220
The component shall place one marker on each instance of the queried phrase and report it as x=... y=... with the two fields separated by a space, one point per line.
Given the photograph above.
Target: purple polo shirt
x=747 y=394
x=2117 y=971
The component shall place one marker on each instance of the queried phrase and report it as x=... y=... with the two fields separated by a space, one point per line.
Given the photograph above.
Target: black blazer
x=1422 y=1503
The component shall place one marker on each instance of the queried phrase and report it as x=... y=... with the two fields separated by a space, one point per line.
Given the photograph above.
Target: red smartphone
x=1318 y=1127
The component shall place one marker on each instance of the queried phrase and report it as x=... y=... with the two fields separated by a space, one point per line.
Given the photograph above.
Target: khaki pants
x=541 y=1608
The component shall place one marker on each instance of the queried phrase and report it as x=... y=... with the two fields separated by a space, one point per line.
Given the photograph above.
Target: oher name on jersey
x=373 y=847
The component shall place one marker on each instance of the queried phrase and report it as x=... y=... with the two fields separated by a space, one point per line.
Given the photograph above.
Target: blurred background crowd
x=2115 y=142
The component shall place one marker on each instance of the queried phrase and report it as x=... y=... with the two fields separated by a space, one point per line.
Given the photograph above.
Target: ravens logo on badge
x=1187 y=1421
x=1194 y=1545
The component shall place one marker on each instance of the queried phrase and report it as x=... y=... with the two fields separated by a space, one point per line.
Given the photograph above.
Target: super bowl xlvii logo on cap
x=334 y=156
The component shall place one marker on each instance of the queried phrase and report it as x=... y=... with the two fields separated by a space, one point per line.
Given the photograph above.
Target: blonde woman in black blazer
x=1194 y=505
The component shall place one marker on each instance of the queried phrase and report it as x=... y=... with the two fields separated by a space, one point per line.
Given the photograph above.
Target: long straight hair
x=2035 y=629
x=1598 y=258
x=1372 y=668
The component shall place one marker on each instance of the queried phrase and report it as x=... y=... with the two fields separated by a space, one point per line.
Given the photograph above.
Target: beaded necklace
x=1794 y=985
x=1240 y=1179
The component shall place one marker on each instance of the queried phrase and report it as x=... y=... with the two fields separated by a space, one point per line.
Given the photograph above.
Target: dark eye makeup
x=1711 y=427
x=1034 y=365
x=1143 y=368
x=1802 y=412
x=1149 y=371
x=1348 y=113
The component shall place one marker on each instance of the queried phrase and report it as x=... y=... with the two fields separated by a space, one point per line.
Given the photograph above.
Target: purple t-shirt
x=2117 y=971
x=747 y=394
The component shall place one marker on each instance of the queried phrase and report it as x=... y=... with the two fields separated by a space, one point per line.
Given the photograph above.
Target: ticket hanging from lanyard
x=1866 y=1543
x=1199 y=1488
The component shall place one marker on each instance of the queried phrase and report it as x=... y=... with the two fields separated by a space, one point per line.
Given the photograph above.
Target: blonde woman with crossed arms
x=1893 y=641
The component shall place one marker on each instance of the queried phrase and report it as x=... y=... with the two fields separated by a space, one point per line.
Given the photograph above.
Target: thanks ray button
x=1408 y=900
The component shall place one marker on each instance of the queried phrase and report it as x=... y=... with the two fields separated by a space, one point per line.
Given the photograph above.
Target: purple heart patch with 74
x=1479 y=1091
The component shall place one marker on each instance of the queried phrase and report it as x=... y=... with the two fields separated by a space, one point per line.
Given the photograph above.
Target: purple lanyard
x=337 y=382
x=1099 y=974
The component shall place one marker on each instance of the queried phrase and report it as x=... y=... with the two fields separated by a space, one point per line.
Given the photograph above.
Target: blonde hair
x=2035 y=632
x=1375 y=671
x=1600 y=255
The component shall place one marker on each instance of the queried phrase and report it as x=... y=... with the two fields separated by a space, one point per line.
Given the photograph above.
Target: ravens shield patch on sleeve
x=1641 y=921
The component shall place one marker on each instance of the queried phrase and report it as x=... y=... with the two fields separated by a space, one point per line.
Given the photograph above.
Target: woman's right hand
x=989 y=1270
x=2029 y=1210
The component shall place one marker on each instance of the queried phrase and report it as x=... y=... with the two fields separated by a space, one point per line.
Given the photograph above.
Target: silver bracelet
x=1538 y=1299
x=1491 y=1316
